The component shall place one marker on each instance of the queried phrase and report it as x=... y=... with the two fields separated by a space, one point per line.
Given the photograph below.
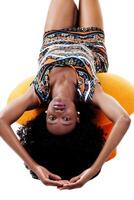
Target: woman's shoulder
x=97 y=91
x=35 y=101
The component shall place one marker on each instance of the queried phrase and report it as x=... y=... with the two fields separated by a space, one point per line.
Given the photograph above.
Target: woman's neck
x=64 y=89
x=62 y=82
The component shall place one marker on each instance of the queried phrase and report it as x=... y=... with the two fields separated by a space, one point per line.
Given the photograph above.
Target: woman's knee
x=61 y=14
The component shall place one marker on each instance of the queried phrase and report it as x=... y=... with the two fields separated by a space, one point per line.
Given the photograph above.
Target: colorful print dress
x=82 y=49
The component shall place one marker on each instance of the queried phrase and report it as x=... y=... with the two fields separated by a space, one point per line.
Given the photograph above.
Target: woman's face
x=61 y=116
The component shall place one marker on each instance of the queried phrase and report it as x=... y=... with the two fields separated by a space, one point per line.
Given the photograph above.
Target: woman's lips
x=59 y=105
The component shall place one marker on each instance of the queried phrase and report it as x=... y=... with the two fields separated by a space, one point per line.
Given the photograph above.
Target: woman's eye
x=66 y=118
x=52 y=117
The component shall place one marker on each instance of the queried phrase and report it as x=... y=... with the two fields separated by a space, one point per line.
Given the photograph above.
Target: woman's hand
x=47 y=177
x=80 y=180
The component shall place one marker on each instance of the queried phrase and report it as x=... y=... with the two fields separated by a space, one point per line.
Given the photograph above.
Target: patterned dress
x=82 y=49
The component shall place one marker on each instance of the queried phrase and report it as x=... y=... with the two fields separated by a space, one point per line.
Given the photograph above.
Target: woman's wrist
x=95 y=169
x=32 y=165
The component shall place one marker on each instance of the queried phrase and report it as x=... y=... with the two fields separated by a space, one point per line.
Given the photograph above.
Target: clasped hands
x=51 y=179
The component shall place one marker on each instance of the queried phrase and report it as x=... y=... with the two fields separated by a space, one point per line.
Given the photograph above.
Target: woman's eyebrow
x=65 y=124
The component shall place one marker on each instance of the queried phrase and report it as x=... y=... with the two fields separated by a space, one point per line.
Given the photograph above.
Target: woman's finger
x=63 y=182
x=54 y=176
x=70 y=186
x=74 y=179
x=52 y=183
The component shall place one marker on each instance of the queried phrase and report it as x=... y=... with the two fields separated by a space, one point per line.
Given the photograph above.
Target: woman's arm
x=9 y=115
x=121 y=120
x=118 y=115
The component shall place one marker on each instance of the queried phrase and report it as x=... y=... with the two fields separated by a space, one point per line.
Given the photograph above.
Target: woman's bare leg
x=61 y=14
x=90 y=14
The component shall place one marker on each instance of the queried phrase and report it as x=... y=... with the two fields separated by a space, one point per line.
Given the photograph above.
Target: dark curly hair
x=65 y=155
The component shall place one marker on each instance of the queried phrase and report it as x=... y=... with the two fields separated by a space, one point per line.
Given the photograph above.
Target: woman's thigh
x=90 y=14
x=61 y=14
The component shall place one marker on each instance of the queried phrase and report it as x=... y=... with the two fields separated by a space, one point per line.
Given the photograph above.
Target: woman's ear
x=78 y=117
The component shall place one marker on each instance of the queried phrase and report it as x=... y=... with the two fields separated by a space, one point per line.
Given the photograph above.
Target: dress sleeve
x=41 y=85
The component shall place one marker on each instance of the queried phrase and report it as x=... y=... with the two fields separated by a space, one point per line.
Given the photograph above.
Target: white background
x=22 y=24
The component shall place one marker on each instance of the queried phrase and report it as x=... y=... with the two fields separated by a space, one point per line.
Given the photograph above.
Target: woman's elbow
x=126 y=119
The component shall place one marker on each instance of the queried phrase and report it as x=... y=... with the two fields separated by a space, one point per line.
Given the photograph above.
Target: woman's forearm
x=117 y=132
x=10 y=138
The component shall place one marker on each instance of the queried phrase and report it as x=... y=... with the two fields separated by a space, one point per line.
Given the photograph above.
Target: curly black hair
x=65 y=155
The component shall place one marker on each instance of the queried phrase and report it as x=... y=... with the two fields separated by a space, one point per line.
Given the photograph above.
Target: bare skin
x=90 y=15
x=61 y=120
x=66 y=11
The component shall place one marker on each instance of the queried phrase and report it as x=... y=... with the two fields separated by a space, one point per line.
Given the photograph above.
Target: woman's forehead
x=60 y=129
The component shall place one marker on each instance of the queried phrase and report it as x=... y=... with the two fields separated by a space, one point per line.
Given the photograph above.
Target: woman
x=69 y=60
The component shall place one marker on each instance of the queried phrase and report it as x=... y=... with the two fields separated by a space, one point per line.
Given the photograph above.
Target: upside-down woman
x=63 y=146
